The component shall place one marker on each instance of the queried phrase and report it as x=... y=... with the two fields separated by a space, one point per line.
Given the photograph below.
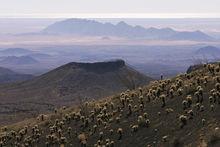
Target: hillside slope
x=66 y=85
x=183 y=111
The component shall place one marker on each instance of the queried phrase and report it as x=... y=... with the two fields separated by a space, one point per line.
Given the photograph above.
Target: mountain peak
x=122 y=23
x=98 y=67
x=15 y=51
x=168 y=29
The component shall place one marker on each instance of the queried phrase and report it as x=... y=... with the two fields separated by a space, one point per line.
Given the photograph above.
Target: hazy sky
x=109 y=8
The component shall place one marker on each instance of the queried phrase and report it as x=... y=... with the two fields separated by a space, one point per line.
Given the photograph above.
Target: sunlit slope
x=183 y=111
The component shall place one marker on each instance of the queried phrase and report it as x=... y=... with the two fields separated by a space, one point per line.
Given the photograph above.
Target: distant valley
x=150 y=60
x=151 y=50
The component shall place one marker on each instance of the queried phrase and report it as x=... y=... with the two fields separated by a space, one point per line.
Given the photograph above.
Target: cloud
x=110 y=8
x=110 y=15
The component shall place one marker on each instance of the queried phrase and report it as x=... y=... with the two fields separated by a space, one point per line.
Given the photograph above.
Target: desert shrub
x=111 y=131
x=63 y=140
x=196 y=94
x=165 y=138
x=169 y=110
x=189 y=100
x=94 y=128
x=162 y=97
x=129 y=109
x=217 y=86
x=183 y=120
x=117 y=119
x=101 y=135
x=191 y=114
x=147 y=123
x=184 y=103
x=120 y=131
x=5 y=128
x=214 y=137
x=112 y=144
x=69 y=130
x=140 y=90
x=202 y=108
x=134 y=128
x=198 y=105
x=211 y=99
x=141 y=107
x=159 y=113
x=141 y=121
x=218 y=79
x=212 y=107
x=149 y=97
x=145 y=115
x=180 y=91
x=203 y=121
x=217 y=69
x=171 y=92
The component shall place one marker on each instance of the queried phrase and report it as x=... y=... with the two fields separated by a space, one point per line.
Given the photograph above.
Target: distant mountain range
x=21 y=60
x=15 y=52
x=22 y=52
x=39 y=55
x=7 y=76
x=85 y=27
x=21 y=56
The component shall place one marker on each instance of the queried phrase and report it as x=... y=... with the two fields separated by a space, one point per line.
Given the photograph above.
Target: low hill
x=208 y=50
x=194 y=36
x=7 y=76
x=69 y=84
x=85 y=27
x=177 y=112
x=21 y=60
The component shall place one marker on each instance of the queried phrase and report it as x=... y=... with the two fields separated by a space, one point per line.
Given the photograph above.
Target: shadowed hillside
x=69 y=84
x=177 y=112
x=7 y=75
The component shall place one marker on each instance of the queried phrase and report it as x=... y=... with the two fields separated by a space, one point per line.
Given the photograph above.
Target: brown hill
x=67 y=85
x=177 y=112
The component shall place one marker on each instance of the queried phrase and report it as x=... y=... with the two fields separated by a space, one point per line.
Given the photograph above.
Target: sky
x=110 y=8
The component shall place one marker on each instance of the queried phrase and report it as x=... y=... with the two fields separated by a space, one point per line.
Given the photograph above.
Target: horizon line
x=113 y=15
